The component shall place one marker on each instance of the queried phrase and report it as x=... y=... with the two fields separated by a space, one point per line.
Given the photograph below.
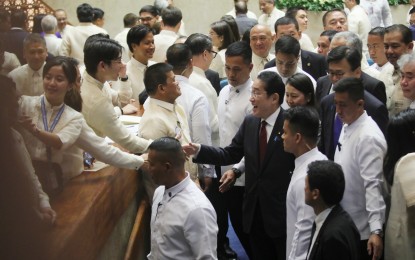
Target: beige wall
x=197 y=14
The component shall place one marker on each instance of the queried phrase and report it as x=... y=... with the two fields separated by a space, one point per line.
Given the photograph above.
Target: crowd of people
x=307 y=148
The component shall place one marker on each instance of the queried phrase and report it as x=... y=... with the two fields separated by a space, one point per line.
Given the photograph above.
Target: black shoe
x=229 y=253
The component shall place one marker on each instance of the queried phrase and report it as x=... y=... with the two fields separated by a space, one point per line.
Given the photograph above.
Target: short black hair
x=304 y=120
x=198 y=43
x=130 y=20
x=352 y=56
x=230 y=20
x=98 y=14
x=85 y=13
x=156 y=75
x=136 y=34
x=240 y=7
x=352 y=86
x=412 y=10
x=273 y=84
x=378 y=31
x=149 y=9
x=171 y=16
x=171 y=148
x=178 y=55
x=288 y=45
x=240 y=48
x=405 y=32
x=97 y=49
x=285 y=20
x=332 y=11
x=18 y=18
x=328 y=178
x=292 y=11
x=68 y=67
x=303 y=83
x=329 y=33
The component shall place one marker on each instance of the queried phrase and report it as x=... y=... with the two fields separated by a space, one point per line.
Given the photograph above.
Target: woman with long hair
x=299 y=91
x=222 y=36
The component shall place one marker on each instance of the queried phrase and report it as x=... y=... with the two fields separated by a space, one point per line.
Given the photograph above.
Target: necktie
x=262 y=141
x=337 y=128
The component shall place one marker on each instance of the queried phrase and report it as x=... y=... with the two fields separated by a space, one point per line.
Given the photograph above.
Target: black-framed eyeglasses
x=214 y=53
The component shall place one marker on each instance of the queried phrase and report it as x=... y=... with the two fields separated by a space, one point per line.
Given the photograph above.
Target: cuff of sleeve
x=44 y=203
x=375 y=226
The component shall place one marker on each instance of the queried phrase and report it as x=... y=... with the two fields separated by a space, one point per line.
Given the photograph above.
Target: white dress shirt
x=300 y=217
x=198 y=80
x=10 y=63
x=28 y=82
x=359 y=23
x=74 y=38
x=378 y=11
x=162 y=42
x=196 y=107
x=259 y=64
x=135 y=73
x=100 y=115
x=88 y=141
x=386 y=72
x=53 y=43
x=270 y=19
x=233 y=107
x=320 y=218
x=284 y=104
x=249 y=14
x=162 y=119
x=218 y=64
x=25 y=161
x=121 y=38
x=361 y=154
x=183 y=223
x=67 y=129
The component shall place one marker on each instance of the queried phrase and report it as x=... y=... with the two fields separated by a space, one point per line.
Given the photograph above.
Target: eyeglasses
x=214 y=53
x=374 y=46
x=256 y=94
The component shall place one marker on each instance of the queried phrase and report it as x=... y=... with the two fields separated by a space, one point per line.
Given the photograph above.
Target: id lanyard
x=54 y=122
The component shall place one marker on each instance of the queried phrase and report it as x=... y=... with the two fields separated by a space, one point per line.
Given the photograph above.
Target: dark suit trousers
x=218 y=202
x=264 y=246
x=234 y=199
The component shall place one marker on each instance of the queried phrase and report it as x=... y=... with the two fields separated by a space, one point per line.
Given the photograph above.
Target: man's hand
x=48 y=215
x=375 y=246
x=129 y=109
x=205 y=183
x=27 y=123
x=228 y=180
x=191 y=149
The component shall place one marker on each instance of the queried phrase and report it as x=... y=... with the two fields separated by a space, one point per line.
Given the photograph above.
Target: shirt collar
x=181 y=78
x=199 y=71
x=320 y=218
x=412 y=105
x=258 y=59
x=91 y=80
x=273 y=117
x=241 y=87
x=38 y=72
x=172 y=191
x=350 y=128
x=49 y=106
x=162 y=103
x=304 y=157
x=138 y=64
x=168 y=32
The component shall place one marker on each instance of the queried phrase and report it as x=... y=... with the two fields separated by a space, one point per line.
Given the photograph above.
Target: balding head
x=260 y=40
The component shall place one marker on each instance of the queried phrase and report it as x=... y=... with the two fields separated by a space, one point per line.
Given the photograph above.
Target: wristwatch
x=237 y=172
x=378 y=232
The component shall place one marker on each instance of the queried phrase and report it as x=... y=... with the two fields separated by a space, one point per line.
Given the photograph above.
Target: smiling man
x=407 y=65
x=267 y=167
x=260 y=40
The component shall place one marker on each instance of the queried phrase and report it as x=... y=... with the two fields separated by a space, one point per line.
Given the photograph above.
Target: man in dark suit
x=344 y=61
x=213 y=77
x=334 y=234
x=312 y=63
x=267 y=167
x=13 y=39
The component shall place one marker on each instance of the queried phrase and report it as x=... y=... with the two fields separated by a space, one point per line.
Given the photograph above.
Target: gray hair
x=406 y=59
x=49 y=24
x=352 y=40
x=161 y=4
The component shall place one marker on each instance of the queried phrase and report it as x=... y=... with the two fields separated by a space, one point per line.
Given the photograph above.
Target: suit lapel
x=274 y=138
x=305 y=61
